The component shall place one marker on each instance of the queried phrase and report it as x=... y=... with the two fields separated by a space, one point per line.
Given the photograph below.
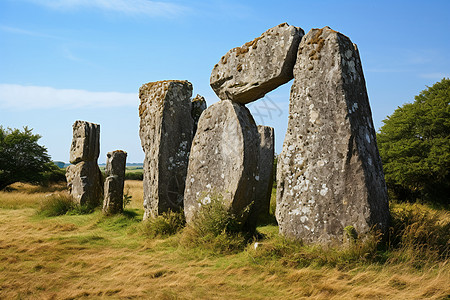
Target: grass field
x=92 y=256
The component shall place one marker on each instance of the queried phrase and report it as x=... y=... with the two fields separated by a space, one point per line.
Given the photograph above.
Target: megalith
x=264 y=182
x=84 y=179
x=223 y=162
x=245 y=74
x=329 y=173
x=198 y=106
x=166 y=126
x=114 y=182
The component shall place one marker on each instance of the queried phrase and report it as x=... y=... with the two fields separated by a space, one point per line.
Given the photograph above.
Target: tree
x=414 y=145
x=22 y=159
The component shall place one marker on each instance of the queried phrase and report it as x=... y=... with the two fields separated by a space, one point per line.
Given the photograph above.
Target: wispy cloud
x=21 y=31
x=437 y=75
x=129 y=7
x=20 y=97
x=386 y=70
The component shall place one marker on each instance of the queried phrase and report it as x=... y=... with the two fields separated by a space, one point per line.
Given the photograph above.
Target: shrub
x=214 y=228
x=166 y=224
x=56 y=205
x=134 y=176
x=418 y=234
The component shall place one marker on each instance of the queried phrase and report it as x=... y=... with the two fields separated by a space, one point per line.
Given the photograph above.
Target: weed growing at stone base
x=214 y=228
x=164 y=225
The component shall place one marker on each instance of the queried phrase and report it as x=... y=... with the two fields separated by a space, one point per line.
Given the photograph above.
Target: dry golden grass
x=91 y=256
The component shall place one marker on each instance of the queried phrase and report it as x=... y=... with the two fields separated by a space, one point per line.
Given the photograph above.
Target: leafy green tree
x=22 y=159
x=414 y=145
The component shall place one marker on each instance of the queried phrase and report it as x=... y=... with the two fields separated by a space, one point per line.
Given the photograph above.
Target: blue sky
x=67 y=60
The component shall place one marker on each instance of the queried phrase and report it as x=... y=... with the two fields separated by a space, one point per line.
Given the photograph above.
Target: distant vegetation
x=22 y=159
x=414 y=145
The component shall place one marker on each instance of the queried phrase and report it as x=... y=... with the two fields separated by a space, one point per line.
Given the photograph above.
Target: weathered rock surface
x=85 y=143
x=224 y=159
x=166 y=135
x=264 y=183
x=84 y=181
x=245 y=74
x=329 y=173
x=198 y=106
x=114 y=182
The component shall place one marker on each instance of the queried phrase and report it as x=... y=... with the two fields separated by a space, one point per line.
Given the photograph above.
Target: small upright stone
x=198 y=106
x=84 y=179
x=166 y=135
x=329 y=174
x=224 y=160
x=114 y=182
x=245 y=74
x=85 y=143
x=264 y=182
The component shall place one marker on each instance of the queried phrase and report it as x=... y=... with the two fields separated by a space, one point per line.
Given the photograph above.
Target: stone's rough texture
x=84 y=181
x=329 y=173
x=223 y=160
x=198 y=106
x=166 y=135
x=114 y=182
x=245 y=74
x=85 y=143
x=264 y=183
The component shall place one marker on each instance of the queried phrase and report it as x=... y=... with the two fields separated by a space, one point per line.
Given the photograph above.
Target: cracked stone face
x=245 y=74
x=329 y=173
x=85 y=142
x=223 y=159
x=166 y=126
x=264 y=180
x=84 y=181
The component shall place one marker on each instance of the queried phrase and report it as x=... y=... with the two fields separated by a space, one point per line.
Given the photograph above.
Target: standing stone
x=84 y=179
x=166 y=136
x=224 y=160
x=198 y=106
x=264 y=184
x=245 y=74
x=114 y=182
x=329 y=173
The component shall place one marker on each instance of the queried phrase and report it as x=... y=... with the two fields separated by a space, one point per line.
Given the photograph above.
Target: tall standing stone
x=329 y=173
x=166 y=135
x=198 y=106
x=224 y=160
x=245 y=74
x=114 y=182
x=264 y=183
x=84 y=179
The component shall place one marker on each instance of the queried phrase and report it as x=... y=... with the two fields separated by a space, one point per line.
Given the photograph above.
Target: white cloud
x=19 y=97
x=130 y=7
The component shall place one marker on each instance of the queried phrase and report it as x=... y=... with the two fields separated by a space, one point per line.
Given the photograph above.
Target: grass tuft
x=56 y=205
